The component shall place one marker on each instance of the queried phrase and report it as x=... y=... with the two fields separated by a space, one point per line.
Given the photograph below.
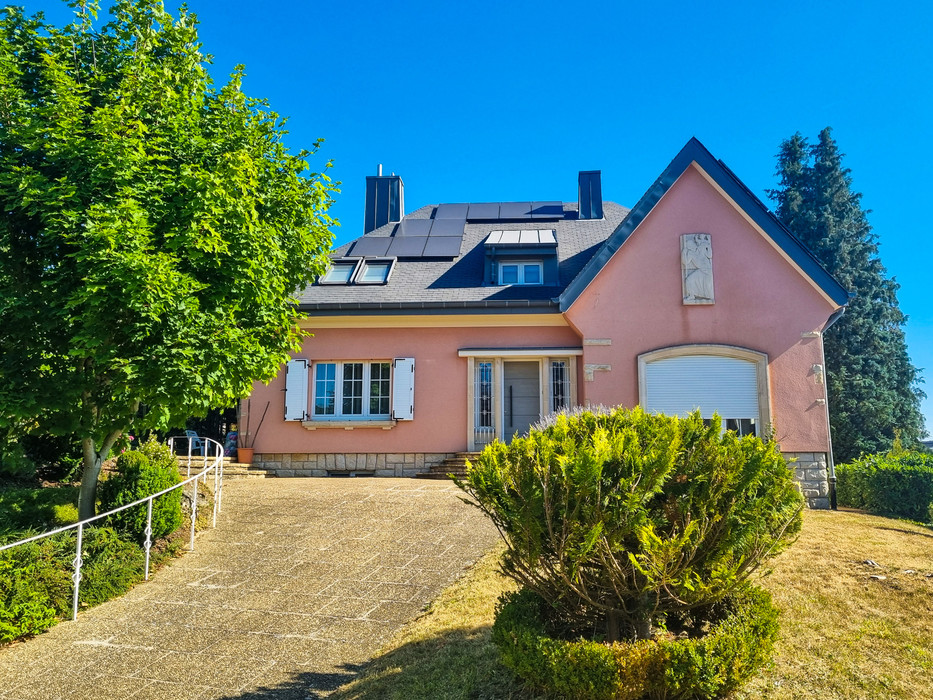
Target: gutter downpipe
x=830 y=463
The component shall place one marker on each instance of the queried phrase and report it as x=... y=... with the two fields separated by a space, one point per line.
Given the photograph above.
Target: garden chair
x=195 y=443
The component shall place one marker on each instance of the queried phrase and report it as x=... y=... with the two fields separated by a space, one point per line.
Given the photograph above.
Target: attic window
x=524 y=272
x=375 y=271
x=341 y=271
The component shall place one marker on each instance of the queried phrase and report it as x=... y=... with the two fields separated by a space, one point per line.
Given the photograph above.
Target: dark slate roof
x=695 y=151
x=443 y=285
x=583 y=248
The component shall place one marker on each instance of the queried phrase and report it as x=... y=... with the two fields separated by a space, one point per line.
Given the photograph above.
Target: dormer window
x=523 y=257
x=521 y=272
x=341 y=271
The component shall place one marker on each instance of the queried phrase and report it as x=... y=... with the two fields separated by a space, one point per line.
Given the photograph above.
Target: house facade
x=439 y=331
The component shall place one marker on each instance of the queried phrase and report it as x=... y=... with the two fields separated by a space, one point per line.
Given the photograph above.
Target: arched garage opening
x=723 y=379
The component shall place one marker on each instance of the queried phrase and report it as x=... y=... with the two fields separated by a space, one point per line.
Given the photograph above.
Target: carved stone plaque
x=696 y=261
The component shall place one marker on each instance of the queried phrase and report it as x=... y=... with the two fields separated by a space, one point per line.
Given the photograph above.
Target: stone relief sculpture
x=696 y=260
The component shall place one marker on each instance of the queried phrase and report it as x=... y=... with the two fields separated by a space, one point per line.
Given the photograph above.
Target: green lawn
x=849 y=630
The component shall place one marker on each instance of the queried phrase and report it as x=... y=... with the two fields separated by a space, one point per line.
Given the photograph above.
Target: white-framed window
x=351 y=390
x=340 y=271
x=521 y=272
x=375 y=271
x=559 y=393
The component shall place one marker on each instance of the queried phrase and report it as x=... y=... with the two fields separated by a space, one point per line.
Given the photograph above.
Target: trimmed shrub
x=738 y=643
x=619 y=518
x=898 y=485
x=141 y=473
x=24 y=610
x=35 y=579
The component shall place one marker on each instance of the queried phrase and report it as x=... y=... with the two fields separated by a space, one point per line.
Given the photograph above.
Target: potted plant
x=246 y=439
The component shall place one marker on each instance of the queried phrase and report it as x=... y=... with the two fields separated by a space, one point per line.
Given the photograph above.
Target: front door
x=521 y=397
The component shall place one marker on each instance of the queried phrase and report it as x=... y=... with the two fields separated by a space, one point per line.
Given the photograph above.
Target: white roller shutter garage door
x=724 y=385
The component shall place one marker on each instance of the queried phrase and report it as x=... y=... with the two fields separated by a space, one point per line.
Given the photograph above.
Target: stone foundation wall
x=377 y=464
x=812 y=476
x=809 y=467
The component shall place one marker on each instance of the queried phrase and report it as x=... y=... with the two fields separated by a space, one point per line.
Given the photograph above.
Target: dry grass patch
x=850 y=629
x=844 y=634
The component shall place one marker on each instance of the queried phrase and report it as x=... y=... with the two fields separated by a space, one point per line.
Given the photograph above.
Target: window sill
x=347 y=424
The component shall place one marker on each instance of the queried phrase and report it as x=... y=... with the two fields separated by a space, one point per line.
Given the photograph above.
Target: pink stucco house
x=438 y=331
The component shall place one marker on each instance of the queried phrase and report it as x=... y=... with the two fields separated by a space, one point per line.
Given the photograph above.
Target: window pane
x=375 y=271
x=532 y=274
x=325 y=388
x=560 y=385
x=353 y=388
x=509 y=274
x=339 y=272
x=379 y=388
x=483 y=394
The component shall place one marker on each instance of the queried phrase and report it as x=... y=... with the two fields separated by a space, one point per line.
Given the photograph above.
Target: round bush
x=738 y=642
x=141 y=473
x=619 y=519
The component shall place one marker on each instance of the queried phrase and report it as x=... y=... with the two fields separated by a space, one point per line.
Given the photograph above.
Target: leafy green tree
x=154 y=228
x=872 y=386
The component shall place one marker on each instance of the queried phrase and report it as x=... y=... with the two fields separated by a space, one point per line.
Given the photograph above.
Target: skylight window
x=340 y=271
x=375 y=271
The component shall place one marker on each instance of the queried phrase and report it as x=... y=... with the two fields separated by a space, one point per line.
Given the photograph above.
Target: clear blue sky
x=491 y=101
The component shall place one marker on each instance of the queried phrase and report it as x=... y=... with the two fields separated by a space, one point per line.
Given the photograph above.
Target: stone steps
x=232 y=470
x=455 y=465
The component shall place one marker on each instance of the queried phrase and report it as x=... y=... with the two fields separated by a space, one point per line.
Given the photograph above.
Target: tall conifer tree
x=873 y=388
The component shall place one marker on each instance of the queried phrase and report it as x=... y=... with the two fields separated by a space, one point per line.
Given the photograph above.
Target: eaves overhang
x=696 y=152
x=541 y=306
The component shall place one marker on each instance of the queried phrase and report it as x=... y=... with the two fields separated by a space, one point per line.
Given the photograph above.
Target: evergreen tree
x=872 y=386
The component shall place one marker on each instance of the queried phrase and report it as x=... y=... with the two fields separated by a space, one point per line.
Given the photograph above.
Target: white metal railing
x=216 y=466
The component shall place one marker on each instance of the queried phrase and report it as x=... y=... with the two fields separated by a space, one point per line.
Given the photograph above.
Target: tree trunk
x=643 y=629
x=93 y=460
x=87 y=496
x=613 y=631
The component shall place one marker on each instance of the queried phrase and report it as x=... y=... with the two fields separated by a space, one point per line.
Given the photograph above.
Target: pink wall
x=762 y=303
x=440 y=421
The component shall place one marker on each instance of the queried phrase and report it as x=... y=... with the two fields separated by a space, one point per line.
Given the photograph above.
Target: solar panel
x=515 y=210
x=370 y=245
x=484 y=212
x=442 y=247
x=407 y=246
x=447 y=227
x=451 y=211
x=547 y=210
x=414 y=227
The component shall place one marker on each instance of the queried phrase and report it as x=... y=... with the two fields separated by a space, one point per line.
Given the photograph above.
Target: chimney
x=385 y=200
x=590 y=202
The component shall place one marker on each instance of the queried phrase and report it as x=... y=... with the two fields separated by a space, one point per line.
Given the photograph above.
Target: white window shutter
x=403 y=388
x=296 y=390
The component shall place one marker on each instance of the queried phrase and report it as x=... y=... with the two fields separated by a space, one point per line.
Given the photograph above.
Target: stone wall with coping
x=378 y=464
x=812 y=476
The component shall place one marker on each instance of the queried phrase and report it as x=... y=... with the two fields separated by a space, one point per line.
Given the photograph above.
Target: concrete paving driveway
x=302 y=581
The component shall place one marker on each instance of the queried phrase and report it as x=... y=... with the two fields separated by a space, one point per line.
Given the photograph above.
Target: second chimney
x=385 y=200
x=590 y=201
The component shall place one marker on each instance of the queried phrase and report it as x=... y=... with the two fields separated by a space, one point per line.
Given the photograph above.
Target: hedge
x=707 y=666
x=900 y=486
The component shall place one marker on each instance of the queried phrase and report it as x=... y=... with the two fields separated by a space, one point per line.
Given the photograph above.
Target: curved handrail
x=217 y=467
